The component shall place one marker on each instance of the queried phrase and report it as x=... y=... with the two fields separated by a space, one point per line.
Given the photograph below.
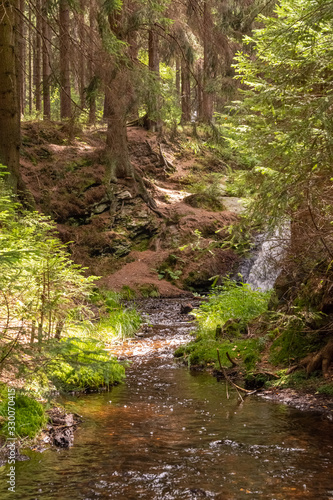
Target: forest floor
x=166 y=254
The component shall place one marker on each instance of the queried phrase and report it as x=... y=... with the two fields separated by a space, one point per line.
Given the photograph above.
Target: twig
x=229 y=379
x=231 y=360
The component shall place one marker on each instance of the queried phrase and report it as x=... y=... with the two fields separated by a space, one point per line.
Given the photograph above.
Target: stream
x=168 y=433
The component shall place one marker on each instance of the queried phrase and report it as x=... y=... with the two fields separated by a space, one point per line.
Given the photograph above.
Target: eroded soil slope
x=168 y=252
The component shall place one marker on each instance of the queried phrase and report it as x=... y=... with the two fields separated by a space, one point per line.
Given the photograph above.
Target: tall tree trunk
x=120 y=100
x=30 y=58
x=178 y=77
x=133 y=49
x=38 y=58
x=207 y=96
x=116 y=99
x=82 y=54
x=22 y=59
x=64 y=45
x=91 y=64
x=46 y=63
x=186 y=92
x=154 y=67
x=9 y=92
x=200 y=90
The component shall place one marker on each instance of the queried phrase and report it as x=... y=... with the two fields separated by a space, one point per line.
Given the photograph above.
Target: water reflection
x=170 y=434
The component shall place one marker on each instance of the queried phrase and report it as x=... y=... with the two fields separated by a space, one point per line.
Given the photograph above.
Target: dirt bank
x=131 y=248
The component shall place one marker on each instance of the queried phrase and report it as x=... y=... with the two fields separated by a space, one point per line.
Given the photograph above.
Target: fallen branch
x=231 y=360
x=229 y=379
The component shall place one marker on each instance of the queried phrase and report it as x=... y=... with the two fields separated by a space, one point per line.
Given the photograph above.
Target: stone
x=186 y=308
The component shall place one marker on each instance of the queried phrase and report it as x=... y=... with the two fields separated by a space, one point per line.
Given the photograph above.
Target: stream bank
x=169 y=433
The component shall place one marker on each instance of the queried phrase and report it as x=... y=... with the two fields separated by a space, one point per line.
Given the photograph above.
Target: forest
x=163 y=163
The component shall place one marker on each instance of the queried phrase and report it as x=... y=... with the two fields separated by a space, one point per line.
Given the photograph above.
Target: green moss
x=30 y=416
x=294 y=343
x=326 y=389
x=81 y=364
x=232 y=305
x=127 y=292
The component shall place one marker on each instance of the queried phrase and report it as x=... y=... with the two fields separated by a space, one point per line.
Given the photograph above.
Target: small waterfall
x=263 y=267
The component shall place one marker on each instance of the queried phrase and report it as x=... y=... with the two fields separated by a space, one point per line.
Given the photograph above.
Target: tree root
x=149 y=200
x=318 y=361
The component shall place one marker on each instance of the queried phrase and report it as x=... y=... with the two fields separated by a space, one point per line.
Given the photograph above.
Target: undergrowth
x=203 y=352
x=231 y=301
x=116 y=320
x=80 y=364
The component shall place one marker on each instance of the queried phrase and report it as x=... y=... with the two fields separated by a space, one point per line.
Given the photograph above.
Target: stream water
x=167 y=433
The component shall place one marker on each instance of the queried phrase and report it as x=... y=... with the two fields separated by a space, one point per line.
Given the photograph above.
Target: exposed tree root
x=143 y=122
x=318 y=361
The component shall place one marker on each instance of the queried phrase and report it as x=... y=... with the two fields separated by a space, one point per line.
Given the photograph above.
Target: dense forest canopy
x=118 y=60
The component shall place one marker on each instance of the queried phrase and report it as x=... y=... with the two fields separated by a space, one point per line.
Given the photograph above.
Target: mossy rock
x=255 y=381
x=204 y=200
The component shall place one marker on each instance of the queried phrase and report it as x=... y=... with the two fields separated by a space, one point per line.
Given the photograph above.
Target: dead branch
x=231 y=360
x=229 y=379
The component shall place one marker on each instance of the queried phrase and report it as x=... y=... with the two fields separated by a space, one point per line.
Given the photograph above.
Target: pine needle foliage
x=284 y=121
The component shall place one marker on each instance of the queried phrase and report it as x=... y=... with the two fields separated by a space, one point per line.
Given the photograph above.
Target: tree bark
x=207 y=96
x=9 y=101
x=46 y=63
x=186 y=93
x=116 y=109
x=64 y=46
x=178 y=76
x=154 y=67
x=200 y=90
x=22 y=59
x=38 y=58
x=91 y=64
x=30 y=58
x=82 y=54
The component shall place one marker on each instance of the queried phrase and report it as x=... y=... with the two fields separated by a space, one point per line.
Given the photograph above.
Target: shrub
x=231 y=300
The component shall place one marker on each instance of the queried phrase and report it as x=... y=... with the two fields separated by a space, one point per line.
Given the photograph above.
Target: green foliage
x=295 y=342
x=41 y=289
x=117 y=321
x=285 y=117
x=127 y=293
x=80 y=364
x=203 y=352
x=167 y=269
x=30 y=415
x=169 y=274
x=231 y=300
x=239 y=184
x=326 y=389
x=158 y=88
x=149 y=290
x=207 y=195
x=42 y=293
x=239 y=236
